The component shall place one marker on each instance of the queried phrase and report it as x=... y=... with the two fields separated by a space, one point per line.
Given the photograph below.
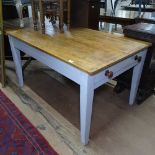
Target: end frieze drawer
x=117 y=69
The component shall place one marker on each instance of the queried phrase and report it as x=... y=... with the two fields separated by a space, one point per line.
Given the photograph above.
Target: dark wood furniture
x=121 y=17
x=85 y=13
x=81 y=13
x=125 y=18
x=145 y=32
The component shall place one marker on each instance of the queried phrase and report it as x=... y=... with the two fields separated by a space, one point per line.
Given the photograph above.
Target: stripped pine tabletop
x=88 y=50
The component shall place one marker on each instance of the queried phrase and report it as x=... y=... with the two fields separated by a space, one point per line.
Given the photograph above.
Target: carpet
x=17 y=135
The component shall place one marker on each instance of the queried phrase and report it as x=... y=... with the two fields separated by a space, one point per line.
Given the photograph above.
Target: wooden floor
x=51 y=103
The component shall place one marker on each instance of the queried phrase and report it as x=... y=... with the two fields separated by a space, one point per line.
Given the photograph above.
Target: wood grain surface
x=88 y=50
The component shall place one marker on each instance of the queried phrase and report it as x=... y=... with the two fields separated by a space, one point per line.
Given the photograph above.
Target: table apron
x=58 y=65
x=72 y=72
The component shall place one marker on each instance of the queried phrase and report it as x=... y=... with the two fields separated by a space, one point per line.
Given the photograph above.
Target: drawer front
x=117 y=69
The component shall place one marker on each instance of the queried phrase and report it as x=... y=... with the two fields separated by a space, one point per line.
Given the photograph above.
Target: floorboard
x=116 y=129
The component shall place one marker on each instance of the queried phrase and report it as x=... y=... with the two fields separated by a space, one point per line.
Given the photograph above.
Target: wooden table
x=125 y=18
x=88 y=57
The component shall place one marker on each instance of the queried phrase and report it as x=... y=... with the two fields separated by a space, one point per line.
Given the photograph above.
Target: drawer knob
x=109 y=74
x=138 y=58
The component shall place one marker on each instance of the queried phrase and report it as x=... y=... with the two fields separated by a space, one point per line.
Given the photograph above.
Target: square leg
x=17 y=61
x=86 y=102
x=137 y=70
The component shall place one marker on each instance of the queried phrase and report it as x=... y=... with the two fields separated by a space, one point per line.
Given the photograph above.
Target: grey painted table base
x=88 y=83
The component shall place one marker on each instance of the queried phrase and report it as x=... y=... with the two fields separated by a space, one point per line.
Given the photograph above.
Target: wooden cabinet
x=85 y=13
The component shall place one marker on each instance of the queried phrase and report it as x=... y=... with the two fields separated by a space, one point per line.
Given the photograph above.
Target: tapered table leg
x=86 y=101
x=137 y=70
x=17 y=61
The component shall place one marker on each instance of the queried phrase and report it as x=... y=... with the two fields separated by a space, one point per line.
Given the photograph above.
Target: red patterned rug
x=17 y=135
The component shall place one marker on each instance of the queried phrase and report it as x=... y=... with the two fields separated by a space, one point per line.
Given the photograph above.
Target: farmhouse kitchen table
x=88 y=57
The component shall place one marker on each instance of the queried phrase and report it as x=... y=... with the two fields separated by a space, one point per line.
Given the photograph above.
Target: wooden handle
x=109 y=74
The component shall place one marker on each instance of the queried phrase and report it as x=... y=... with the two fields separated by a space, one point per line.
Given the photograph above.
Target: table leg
x=17 y=61
x=86 y=101
x=137 y=70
